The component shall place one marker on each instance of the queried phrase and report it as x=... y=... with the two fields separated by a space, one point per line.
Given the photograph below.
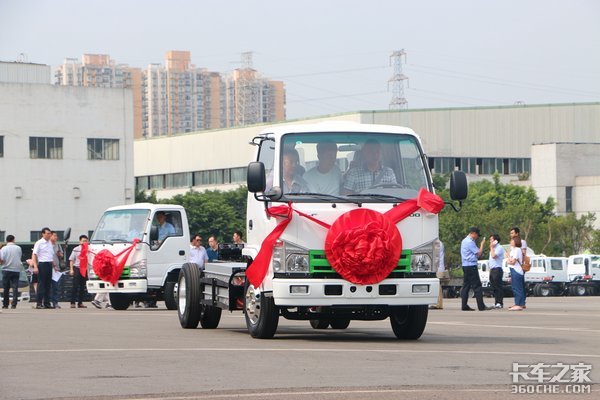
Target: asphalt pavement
x=145 y=354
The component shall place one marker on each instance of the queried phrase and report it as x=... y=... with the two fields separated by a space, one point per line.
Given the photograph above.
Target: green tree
x=570 y=235
x=142 y=197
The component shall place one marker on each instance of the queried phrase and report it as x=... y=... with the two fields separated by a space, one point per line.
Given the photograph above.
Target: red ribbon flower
x=363 y=246
x=105 y=263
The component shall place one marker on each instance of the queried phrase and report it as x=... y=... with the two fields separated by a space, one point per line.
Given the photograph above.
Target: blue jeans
x=518 y=287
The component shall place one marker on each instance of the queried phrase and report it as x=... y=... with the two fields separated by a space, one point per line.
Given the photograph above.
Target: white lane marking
x=311 y=393
x=300 y=350
x=545 y=328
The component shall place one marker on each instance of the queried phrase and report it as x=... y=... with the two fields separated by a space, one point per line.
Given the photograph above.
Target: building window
x=569 y=198
x=141 y=183
x=183 y=179
x=157 y=182
x=103 y=149
x=238 y=174
x=34 y=236
x=46 y=147
x=2 y=236
x=1 y=146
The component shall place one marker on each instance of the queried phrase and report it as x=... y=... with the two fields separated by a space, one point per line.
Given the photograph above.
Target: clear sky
x=334 y=55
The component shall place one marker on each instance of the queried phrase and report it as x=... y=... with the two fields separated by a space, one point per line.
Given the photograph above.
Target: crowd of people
x=470 y=253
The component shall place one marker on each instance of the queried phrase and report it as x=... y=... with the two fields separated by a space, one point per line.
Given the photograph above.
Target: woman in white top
x=515 y=259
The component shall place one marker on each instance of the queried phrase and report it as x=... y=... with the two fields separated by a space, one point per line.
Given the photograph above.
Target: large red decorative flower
x=105 y=265
x=363 y=246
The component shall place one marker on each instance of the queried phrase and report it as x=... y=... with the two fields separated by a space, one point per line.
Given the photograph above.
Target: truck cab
x=153 y=242
x=584 y=274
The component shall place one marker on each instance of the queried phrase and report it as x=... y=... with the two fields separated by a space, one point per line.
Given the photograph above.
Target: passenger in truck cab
x=370 y=172
x=326 y=177
x=292 y=181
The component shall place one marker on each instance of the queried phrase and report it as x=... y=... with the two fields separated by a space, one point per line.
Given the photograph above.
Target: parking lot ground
x=145 y=354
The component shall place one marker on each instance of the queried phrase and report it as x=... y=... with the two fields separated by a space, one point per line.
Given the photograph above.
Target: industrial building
x=66 y=153
x=479 y=141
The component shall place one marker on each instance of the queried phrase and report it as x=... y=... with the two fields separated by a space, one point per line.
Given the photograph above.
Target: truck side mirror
x=67 y=234
x=153 y=233
x=459 y=188
x=256 y=178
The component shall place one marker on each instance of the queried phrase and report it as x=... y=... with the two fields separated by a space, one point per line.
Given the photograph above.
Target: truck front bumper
x=331 y=292
x=122 y=286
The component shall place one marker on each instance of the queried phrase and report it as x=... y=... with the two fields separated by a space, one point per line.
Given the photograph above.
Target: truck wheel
x=577 y=290
x=188 y=296
x=319 y=323
x=544 y=291
x=340 y=323
x=408 y=322
x=120 y=301
x=211 y=316
x=170 y=295
x=262 y=315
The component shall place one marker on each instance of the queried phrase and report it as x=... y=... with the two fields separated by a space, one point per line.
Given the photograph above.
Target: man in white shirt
x=325 y=178
x=43 y=258
x=198 y=252
x=515 y=232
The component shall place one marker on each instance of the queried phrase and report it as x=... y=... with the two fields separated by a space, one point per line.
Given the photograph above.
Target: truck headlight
x=424 y=257
x=297 y=263
x=289 y=258
x=138 y=269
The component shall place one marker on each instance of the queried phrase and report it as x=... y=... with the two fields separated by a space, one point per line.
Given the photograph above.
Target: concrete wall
x=46 y=194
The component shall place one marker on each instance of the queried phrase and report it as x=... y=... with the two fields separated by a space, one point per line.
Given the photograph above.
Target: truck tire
x=543 y=290
x=119 y=301
x=339 y=323
x=261 y=313
x=188 y=296
x=591 y=290
x=211 y=316
x=577 y=290
x=170 y=295
x=408 y=322
x=319 y=323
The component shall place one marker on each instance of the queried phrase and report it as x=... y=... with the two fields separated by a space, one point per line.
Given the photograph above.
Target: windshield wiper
x=98 y=241
x=321 y=196
x=379 y=196
x=118 y=240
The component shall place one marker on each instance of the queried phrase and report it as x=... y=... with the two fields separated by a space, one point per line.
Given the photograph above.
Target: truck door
x=169 y=248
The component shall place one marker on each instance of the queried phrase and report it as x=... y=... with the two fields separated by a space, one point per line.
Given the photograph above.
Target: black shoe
x=5 y=307
x=468 y=309
x=49 y=306
x=13 y=306
x=40 y=307
x=486 y=308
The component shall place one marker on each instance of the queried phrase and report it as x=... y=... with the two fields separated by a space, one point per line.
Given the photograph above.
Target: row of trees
x=492 y=206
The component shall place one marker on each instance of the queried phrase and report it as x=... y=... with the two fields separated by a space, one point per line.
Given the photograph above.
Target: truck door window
x=556 y=265
x=266 y=155
x=169 y=224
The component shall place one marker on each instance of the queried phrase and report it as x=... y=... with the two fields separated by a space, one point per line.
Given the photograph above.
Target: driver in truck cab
x=370 y=172
x=164 y=228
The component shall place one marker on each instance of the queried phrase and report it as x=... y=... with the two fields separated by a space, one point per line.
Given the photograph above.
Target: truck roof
x=146 y=206
x=337 y=126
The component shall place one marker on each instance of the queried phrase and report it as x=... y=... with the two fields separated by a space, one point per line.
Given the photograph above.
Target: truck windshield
x=121 y=226
x=351 y=167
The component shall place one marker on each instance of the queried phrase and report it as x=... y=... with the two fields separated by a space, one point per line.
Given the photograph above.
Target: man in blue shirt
x=495 y=264
x=164 y=228
x=469 y=253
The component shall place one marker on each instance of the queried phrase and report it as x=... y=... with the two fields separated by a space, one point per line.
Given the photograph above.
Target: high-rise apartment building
x=99 y=70
x=252 y=99
x=178 y=97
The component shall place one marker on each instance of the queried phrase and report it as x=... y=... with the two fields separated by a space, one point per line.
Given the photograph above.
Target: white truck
x=584 y=274
x=151 y=263
x=326 y=203
x=547 y=276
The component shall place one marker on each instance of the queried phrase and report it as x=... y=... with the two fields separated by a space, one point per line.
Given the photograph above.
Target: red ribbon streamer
x=370 y=234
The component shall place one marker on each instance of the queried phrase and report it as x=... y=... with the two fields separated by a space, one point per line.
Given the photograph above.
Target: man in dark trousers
x=469 y=253
x=43 y=257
